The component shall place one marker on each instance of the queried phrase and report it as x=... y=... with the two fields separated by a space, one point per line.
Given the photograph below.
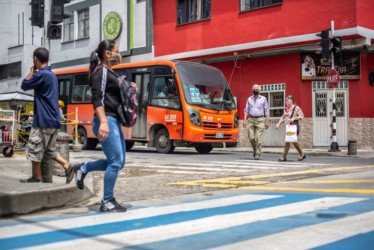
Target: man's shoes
x=79 y=176
x=112 y=206
x=301 y=159
x=285 y=159
x=69 y=173
x=31 y=180
x=257 y=157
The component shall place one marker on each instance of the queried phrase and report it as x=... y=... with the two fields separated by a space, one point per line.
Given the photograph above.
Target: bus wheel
x=87 y=143
x=204 y=149
x=129 y=145
x=8 y=151
x=163 y=143
x=82 y=137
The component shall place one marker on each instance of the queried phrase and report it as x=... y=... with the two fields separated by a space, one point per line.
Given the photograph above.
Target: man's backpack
x=128 y=108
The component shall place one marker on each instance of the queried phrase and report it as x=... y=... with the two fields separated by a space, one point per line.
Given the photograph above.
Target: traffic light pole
x=334 y=144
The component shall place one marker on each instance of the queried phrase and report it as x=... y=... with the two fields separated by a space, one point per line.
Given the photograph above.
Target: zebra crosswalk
x=214 y=167
x=232 y=220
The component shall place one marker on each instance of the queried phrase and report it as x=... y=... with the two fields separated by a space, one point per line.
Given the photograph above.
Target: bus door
x=142 y=80
x=165 y=105
x=64 y=82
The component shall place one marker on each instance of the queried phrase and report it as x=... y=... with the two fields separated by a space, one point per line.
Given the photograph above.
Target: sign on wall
x=312 y=69
x=112 y=25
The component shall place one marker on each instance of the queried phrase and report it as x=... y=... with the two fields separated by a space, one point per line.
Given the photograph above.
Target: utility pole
x=334 y=144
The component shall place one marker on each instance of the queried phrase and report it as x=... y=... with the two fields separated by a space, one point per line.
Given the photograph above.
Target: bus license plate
x=219 y=135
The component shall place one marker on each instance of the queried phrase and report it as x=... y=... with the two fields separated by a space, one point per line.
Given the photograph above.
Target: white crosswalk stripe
x=239 y=166
x=23 y=229
x=325 y=233
x=160 y=227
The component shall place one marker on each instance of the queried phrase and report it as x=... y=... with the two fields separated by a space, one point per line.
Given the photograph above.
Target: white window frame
x=68 y=26
x=193 y=11
x=267 y=90
x=83 y=32
x=246 y=5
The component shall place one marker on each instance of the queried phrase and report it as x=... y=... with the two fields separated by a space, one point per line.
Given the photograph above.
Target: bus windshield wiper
x=207 y=105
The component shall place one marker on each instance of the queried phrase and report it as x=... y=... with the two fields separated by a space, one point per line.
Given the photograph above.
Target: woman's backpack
x=128 y=108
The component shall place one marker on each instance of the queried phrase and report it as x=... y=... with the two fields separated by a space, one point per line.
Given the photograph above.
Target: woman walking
x=291 y=114
x=106 y=126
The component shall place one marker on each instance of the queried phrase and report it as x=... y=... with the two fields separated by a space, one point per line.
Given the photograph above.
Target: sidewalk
x=17 y=198
x=322 y=151
x=22 y=198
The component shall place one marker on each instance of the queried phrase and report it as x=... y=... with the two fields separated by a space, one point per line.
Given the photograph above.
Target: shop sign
x=112 y=25
x=313 y=69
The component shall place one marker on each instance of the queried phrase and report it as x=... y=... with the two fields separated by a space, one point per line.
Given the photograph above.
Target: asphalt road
x=223 y=200
x=149 y=175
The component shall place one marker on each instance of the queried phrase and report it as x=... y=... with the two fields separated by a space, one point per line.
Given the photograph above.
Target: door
x=64 y=87
x=322 y=117
x=140 y=128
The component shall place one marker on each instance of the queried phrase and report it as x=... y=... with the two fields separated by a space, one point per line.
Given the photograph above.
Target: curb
x=27 y=202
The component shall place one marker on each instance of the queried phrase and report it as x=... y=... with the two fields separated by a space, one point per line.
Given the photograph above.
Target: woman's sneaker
x=79 y=176
x=112 y=206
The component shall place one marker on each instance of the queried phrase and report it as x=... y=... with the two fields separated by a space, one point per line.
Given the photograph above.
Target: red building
x=273 y=43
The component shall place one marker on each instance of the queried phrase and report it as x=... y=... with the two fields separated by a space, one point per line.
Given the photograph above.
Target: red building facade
x=267 y=42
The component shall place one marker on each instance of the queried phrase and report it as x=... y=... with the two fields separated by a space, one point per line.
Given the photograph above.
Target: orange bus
x=180 y=104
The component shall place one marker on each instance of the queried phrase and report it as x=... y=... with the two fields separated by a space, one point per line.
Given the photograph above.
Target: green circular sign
x=112 y=25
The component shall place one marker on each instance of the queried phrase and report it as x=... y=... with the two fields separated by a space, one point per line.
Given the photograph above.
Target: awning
x=16 y=96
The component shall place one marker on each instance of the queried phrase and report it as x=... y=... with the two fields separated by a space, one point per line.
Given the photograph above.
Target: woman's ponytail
x=98 y=54
x=94 y=60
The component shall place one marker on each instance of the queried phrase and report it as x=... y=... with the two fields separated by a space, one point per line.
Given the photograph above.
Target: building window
x=274 y=93
x=83 y=23
x=69 y=29
x=192 y=10
x=256 y=4
x=11 y=70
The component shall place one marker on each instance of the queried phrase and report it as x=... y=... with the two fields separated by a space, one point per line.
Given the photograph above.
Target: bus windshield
x=205 y=86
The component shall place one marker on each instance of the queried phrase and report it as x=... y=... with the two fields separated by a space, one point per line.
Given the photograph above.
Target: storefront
x=275 y=45
x=282 y=75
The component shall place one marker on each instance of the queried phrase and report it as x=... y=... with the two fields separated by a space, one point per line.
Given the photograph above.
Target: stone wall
x=306 y=134
x=362 y=130
x=305 y=137
x=243 y=140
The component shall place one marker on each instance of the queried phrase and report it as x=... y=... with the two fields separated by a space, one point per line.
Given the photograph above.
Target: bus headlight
x=194 y=116
x=236 y=120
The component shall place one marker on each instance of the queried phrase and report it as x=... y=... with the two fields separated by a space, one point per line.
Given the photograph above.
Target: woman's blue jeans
x=114 y=148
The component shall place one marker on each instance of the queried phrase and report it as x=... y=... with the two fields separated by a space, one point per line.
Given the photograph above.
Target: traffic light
x=57 y=16
x=325 y=52
x=337 y=49
x=57 y=11
x=37 y=13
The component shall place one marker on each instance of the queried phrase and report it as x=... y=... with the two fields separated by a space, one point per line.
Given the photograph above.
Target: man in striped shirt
x=257 y=109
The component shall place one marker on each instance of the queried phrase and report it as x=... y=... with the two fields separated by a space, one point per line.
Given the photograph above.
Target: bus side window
x=81 y=91
x=88 y=95
x=165 y=93
x=159 y=92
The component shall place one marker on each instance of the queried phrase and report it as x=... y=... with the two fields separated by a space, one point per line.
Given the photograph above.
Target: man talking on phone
x=46 y=121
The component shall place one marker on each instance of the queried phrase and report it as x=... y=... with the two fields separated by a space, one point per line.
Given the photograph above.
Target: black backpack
x=128 y=108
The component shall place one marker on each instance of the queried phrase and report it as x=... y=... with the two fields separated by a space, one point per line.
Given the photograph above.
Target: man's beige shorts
x=42 y=144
